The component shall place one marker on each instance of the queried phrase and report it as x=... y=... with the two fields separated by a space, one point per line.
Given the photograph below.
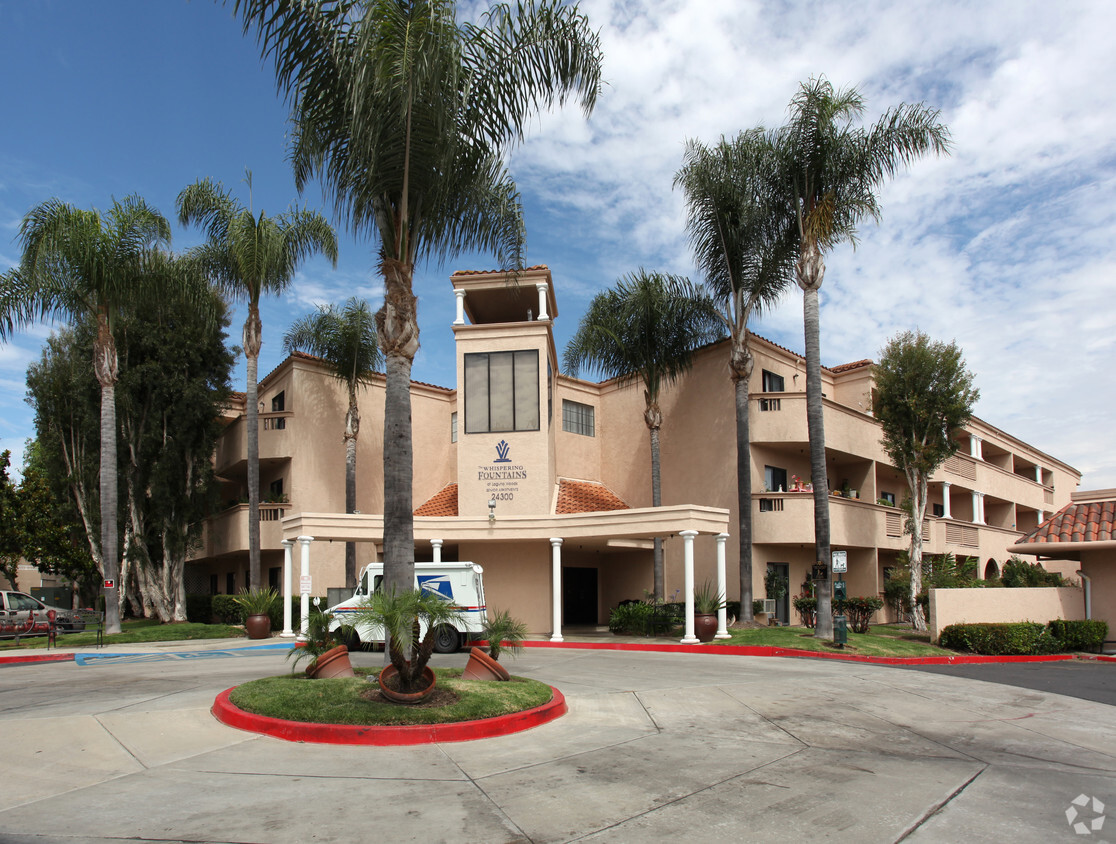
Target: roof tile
x=1091 y=522
x=586 y=497
x=443 y=503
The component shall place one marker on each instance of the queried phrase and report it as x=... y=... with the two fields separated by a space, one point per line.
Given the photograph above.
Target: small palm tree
x=745 y=248
x=345 y=339
x=249 y=255
x=503 y=633
x=830 y=172
x=647 y=328
x=78 y=264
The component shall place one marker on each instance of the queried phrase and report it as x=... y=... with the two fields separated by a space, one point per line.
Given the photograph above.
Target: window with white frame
x=453 y=427
x=502 y=391
x=578 y=418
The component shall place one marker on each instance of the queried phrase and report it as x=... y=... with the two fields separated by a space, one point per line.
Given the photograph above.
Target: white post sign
x=840 y=562
x=304 y=587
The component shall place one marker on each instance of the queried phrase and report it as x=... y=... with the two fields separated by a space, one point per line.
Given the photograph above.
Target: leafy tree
x=746 y=250
x=345 y=338
x=11 y=542
x=924 y=396
x=77 y=264
x=646 y=328
x=406 y=115
x=1020 y=573
x=831 y=171
x=249 y=255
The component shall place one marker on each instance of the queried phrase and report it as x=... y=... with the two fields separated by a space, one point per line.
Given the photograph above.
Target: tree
x=79 y=263
x=924 y=396
x=406 y=115
x=831 y=172
x=647 y=328
x=345 y=339
x=249 y=255
x=745 y=247
x=11 y=541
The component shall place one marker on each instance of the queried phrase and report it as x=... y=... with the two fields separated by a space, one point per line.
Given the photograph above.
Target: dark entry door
x=782 y=605
x=579 y=596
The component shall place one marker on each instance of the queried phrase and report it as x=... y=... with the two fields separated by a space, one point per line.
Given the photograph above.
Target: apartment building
x=545 y=479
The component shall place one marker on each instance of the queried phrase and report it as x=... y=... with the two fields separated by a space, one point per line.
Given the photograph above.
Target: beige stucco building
x=545 y=479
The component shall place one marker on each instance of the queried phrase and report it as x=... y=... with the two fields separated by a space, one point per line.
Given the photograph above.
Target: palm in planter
x=504 y=633
x=402 y=615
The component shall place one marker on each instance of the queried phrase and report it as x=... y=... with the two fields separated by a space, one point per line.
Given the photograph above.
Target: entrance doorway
x=781 y=573
x=579 y=596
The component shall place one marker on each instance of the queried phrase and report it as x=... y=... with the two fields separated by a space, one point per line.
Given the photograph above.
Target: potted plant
x=329 y=658
x=707 y=603
x=257 y=605
x=402 y=615
x=503 y=633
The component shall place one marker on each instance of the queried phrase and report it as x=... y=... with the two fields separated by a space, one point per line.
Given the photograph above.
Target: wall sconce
x=491 y=509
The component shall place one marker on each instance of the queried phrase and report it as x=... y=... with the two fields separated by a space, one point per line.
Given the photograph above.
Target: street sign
x=109 y=584
x=840 y=562
x=304 y=587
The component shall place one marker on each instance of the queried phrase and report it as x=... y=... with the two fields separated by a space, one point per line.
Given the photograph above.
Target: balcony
x=276 y=439
x=227 y=531
x=788 y=518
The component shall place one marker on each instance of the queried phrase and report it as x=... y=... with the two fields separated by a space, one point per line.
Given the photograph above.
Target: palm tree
x=831 y=172
x=405 y=115
x=345 y=339
x=744 y=244
x=80 y=264
x=647 y=328
x=249 y=255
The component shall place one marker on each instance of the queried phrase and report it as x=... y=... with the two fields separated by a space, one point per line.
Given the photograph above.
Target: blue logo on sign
x=502 y=452
x=438 y=584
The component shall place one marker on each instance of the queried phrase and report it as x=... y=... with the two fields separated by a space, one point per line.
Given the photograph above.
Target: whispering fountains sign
x=501 y=477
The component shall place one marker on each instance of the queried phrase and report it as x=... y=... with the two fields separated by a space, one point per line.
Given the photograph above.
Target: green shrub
x=1014 y=639
x=199 y=609
x=757 y=607
x=732 y=609
x=1020 y=573
x=807 y=609
x=226 y=610
x=859 y=611
x=631 y=619
x=1079 y=635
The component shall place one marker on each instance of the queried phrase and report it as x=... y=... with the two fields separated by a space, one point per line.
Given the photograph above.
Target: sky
x=1006 y=246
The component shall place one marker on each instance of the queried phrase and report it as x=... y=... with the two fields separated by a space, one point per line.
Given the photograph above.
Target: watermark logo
x=1085 y=814
x=502 y=452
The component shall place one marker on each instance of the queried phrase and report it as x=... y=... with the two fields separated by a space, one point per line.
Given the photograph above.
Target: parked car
x=16 y=609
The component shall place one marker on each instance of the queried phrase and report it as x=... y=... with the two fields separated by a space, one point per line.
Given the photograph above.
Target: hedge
x=1024 y=637
x=1080 y=635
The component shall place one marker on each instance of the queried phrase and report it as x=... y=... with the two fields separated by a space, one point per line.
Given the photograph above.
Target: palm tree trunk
x=654 y=418
x=815 y=424
x=252 y=341
x=105 y=367
x=744 y=490
x=352 y=428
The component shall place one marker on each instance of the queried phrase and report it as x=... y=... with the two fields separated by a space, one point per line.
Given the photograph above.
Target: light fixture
x=492 y=509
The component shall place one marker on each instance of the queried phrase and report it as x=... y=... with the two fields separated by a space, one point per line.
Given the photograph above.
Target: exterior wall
x=976 y=606
x=1100 y=567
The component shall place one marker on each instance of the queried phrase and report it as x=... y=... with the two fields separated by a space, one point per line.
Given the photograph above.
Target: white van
x=461 y=583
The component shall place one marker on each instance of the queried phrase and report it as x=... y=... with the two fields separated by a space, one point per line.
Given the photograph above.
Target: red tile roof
x=443 y=503
x=492 y=272
x=1086 y=522
x=585 y=497
x=846 y=367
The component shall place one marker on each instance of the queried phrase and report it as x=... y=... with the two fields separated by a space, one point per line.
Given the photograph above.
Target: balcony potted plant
x=257 y=605
x=707 y=603
x=503 y=633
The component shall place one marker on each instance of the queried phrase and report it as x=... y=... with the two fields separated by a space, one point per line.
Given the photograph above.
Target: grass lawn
x=882 y=640
x=293 y=697
x=140 y=630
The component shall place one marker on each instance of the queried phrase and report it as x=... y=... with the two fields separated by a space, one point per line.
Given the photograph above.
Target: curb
x=227 y=713
x=27 y=658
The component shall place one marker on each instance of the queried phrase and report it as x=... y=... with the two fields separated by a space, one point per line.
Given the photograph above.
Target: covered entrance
x=580 y=596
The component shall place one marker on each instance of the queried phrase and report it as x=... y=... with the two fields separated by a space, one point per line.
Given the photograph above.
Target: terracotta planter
x=258 y=626
x=389 y=672
x=333 y=663
x=483 y=667
x=705 y=627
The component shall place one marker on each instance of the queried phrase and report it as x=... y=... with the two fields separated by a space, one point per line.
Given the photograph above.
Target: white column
x=983 y=521
x=946 y=514
x=976 y=507
x=688 y=559
x=542 y=287
x=972 y=446
x=722 y=621
x=459 y=319
x=304 y=607
x=556 y=589
x=287 y=633
x=1040 y=518
x=1038 y=474
x=437 y=545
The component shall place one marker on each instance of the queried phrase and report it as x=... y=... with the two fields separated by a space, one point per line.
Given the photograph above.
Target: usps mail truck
x=460 y=583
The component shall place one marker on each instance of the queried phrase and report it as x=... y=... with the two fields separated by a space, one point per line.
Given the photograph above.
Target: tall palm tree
x=744 y=244
x=831 y=172
x=405 y=115
x=248 y=255
x=79 y=263
x=647 y=328
x=345 y=338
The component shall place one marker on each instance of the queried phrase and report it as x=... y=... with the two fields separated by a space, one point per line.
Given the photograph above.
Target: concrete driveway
x=655 y=747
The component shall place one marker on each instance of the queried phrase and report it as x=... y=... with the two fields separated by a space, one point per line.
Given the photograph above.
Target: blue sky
x=1006 y=246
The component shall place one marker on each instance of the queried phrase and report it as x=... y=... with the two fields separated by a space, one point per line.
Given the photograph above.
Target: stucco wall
x=976 y=606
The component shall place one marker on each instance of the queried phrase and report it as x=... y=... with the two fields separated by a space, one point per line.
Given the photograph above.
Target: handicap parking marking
x=131 y=658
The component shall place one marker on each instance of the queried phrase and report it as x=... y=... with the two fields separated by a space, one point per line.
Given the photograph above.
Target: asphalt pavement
x=655 y=747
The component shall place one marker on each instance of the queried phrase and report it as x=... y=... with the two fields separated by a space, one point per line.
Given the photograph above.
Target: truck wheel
x=352 y=641
x=446 y=640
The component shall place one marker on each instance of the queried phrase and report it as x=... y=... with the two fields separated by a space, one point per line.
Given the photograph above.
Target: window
x=578 y=418
x=230 y=583
x=775 y=479
x=213 y=584
x=453 y=427
x=772 y=383
x=502 y=392
x=889 y=497
x=278 y=403
x=275 y=491
x=273 y=577
x=938 y=510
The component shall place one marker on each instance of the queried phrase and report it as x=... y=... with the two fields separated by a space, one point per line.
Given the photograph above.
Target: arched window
x=991 y=569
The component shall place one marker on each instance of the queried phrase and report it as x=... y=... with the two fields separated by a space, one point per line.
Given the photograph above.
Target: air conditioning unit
x=769 y=606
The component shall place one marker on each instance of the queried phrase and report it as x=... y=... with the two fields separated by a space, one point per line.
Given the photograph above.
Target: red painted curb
x=770 y=650
x=19 y=660
x=227 y=713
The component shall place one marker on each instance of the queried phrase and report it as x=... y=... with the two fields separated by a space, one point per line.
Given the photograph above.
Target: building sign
x=501 y=477
x=840 y=562
x=304 y=585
